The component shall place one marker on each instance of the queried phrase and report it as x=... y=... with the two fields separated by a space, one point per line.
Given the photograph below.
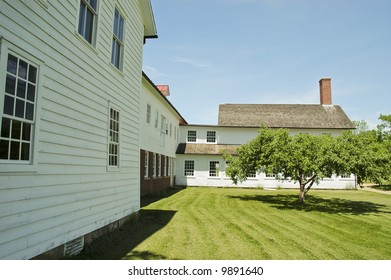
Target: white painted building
x=200 y=155
x=159 y=137
x=70 y=79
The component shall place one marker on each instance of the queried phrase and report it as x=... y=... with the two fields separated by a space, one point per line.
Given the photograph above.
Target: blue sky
x=212 y=52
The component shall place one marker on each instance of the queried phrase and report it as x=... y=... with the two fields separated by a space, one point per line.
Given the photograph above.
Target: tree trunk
x=302 y=194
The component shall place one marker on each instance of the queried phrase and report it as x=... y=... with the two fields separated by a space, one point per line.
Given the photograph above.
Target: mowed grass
x=244 y=224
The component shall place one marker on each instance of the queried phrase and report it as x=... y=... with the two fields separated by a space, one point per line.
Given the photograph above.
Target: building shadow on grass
x=119 y=244
x=318 y=204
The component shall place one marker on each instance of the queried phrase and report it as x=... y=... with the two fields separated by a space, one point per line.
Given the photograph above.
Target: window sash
x=18 y=112
x=211 y=136
x=114 y=138
x=191 y=136
x=87 y=19
x=118 y=39
x=189 y=168
x=214 y=170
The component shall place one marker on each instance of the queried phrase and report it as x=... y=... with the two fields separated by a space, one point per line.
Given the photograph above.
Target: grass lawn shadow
x=315 y=203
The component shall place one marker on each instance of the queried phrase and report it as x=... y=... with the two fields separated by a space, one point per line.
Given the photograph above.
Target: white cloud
x=152 y=71
x=191 y=62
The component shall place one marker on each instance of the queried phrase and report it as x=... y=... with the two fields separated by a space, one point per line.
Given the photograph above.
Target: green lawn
x=223 y=223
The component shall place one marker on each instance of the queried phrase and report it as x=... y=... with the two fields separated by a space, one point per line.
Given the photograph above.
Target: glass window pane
x=10 y=84
x=4 y=148
x=31 y=92
x=32 y=74
x=9 y=105
x=82 y=18
x=29 y=111
x=89 y=22
x=25 y=153
x=12 y=64
x=19 y=108
x=5 y=127
x=15 y=147
x=16 y=130
x=116 y=19
x=93 y=4
x=21 y=91
x=26 y=133
x=22 y=72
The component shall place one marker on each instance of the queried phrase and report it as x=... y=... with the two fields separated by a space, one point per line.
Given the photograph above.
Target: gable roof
x=284 y=116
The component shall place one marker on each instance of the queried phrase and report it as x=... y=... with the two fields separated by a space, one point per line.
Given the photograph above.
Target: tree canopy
x=306 y=158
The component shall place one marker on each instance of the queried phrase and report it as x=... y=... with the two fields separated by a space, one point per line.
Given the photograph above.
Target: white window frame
x=19 y=98
x=149 y=111
x=211 y=137
x=114 y=138
x=159 y=165
x=154 y=165
x=94 y=12
x=118 y=40
x=190 y=138
x=214 y=168
x=188 y=168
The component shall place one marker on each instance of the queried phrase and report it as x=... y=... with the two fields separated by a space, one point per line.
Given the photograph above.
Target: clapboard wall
x=67 y=189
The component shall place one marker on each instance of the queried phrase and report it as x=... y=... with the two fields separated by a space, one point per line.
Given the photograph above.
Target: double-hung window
x=149 y=113
x=189 y=168
x=18 y=112
x=211 y=136
x=146 y=164
x=214 y=169
x=114 y=138
x=118 y=40
x=87 y=19
x=191 y=136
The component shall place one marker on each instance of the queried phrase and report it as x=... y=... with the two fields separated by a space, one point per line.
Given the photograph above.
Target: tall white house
x=200 y=154
x=71 y=80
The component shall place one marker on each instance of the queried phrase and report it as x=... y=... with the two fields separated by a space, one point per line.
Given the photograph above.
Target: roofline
x=274 y=127
x=148 y=19
x=183 y=121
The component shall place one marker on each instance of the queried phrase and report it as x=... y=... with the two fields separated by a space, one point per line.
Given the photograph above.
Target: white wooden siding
x=69 y=192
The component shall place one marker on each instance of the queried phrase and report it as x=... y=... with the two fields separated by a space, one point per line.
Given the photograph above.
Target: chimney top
x=164 y=89
x=325 y=91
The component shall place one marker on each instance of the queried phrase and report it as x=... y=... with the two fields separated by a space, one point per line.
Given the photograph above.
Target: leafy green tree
x=302 y=158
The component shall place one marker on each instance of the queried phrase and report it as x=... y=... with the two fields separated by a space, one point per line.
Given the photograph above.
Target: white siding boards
x=72 y=182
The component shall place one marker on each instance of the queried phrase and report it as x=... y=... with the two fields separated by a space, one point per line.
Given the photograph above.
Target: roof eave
x=150 y=31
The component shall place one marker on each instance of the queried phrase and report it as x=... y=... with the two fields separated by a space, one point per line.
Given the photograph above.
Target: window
x=114 y=138
x=163 y=124
x=214 y=169
x=345 y=175
x=154 y=165
x=156 y=119
x=189 y=167
x=146 y=164
x=191 y=136
x=18 y=115
x=252 y=174
x=270 y=175
x=159 y=165
x=87 y=19
x=211 y=136
x=148 y=113
x=118 y=40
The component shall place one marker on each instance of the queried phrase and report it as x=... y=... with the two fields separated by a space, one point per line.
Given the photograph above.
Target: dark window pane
x=12 y=64
x=19 y=109
x=9 y=105
x=93 y=4
x=5 y=127
x=25 y=154
x=31 y=92
x=16 y=129
x=89 y=26
x=32 y=74
x=21 y=91
x=14 y=154
x=22 y=71
x=116 y=19
x=82 y=18
x=29 y=111
x=121 y=29
x=10 y=84
x=26 y=135
x=4 y=147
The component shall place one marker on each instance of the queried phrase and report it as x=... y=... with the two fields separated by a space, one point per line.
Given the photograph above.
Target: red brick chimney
x=325 y=91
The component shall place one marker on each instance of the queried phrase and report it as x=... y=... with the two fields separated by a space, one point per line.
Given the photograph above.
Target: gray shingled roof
x=205 y=149
x=284 y=116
